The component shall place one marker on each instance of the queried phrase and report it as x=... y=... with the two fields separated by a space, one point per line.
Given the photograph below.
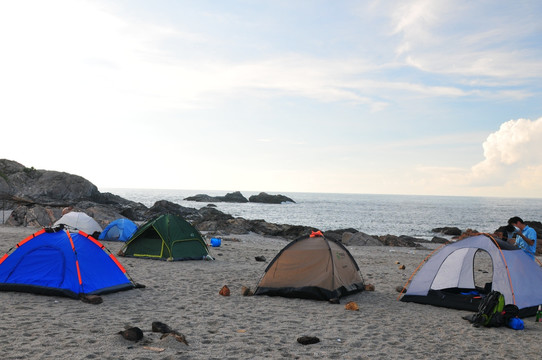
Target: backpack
x=490 y=311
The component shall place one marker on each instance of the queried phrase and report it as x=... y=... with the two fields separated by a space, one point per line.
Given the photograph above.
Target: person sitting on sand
x=525 y=238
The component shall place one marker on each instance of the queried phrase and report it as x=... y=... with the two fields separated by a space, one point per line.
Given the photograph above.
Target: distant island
x=237 y=197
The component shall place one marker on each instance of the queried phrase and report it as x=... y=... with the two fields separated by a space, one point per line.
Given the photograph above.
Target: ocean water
x=372 y=214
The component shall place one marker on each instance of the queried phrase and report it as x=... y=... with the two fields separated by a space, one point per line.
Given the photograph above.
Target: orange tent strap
x=78 y=272
x=71 y=240
x=92 y=239
x=316 y=234
x=117 y=262
x=3 y=258
x=30 y=237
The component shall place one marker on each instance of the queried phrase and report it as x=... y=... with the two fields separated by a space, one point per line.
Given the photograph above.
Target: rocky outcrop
x=452 y=231
x=234 y=197
x=216 y=222
x=202 y=198
x=237 y=197
x=167 y=207
x=439 y=240
x=359 y=239
x=23 y=185
x=37 y=197
x=337 y=235
x=34 y=215
x=269 y=199
x=402 y=240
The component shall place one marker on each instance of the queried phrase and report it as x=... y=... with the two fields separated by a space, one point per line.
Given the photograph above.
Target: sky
x=416 y=97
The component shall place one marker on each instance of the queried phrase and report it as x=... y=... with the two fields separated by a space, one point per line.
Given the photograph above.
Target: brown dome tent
x=312 y=268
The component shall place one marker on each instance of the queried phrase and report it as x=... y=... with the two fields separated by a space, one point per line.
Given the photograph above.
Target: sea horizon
x=274 y=192
x=375 y=214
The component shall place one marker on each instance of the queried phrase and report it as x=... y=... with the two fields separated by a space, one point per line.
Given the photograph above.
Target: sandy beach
x=185 y=295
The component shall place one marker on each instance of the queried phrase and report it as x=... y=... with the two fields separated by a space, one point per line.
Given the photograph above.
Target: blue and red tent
x=61 y=263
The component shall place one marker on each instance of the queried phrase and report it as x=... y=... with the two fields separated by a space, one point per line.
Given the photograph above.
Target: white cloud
x=511 y=152
x=512 y=165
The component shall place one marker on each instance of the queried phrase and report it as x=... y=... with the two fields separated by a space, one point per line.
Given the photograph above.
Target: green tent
x=166 y=237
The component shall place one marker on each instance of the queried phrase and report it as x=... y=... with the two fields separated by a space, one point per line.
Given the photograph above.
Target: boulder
x=161 y=207
x=453 y=231
x=439 y=240
x=359 y=239
x=32 y=186
x=337 y=235
x=269 y=199
x=235 y=197
x=402 y=241
x=201 y=198
x=33 y=215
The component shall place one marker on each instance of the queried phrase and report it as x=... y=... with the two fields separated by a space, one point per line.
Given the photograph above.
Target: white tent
x=447 y=278
x=76 y=221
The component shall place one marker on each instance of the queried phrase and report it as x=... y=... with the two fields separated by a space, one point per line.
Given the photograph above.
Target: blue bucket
x=215 y=242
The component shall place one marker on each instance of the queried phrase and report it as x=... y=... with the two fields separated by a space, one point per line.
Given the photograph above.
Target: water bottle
x=538 y=314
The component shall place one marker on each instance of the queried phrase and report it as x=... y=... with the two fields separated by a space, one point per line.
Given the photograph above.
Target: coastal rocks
x=439 y=240
x=167 y=207
x=36 y=215
x=213 y=220
x=362 y=239
x=269 y=199
x=359 y=239
x=103 y=214
x=337 y=235
x=402 y=241
x=46 y=216
x=234 y=197
x=31 y=186
x=452 y=231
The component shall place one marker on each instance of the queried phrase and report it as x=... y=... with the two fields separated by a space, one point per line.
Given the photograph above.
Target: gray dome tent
x=447 y=278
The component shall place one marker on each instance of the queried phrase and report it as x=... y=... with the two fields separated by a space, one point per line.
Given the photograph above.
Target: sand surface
x=185 y=296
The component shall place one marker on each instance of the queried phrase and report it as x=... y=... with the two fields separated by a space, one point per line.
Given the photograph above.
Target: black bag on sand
x=490 y=311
